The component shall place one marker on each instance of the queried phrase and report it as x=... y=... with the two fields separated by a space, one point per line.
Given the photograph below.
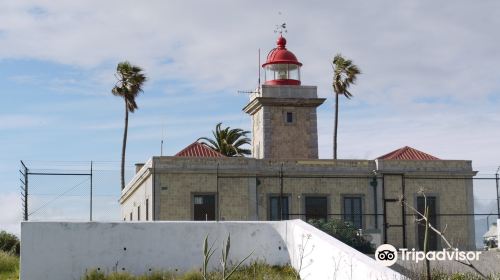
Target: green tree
x=344 y=75
x=228 y=141
x=129 y=85
x=9 y=243
x=345 y=232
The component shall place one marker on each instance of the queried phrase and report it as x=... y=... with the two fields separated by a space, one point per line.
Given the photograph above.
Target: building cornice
x=256 y=103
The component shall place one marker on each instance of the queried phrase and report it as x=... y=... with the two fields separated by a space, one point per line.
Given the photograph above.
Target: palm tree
x=344 y=74
x=129 y=85
x=228 y=141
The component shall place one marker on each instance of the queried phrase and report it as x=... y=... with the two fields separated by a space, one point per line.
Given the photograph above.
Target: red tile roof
x=408 y=153
x=198 y=150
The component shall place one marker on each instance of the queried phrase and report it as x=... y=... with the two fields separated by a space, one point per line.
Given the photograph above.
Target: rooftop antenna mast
x=162 y=137
x=258 y=67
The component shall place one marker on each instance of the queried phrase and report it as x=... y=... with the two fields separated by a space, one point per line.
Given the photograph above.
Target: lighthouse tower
x=283 y=112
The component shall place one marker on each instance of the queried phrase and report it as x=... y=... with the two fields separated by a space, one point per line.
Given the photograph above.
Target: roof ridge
x=198 y=149
x=407 y=153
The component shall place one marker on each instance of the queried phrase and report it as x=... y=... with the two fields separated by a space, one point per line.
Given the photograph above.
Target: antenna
x=258 y=67
x=162 y=137
x=248 y=91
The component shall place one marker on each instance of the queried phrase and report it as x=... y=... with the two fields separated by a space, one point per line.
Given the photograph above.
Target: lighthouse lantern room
x=282 y=66
x=283 y=111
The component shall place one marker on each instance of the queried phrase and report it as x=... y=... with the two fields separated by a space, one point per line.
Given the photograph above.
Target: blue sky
x=430 y=77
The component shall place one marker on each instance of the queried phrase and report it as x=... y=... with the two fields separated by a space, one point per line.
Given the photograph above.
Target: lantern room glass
x=282 y=72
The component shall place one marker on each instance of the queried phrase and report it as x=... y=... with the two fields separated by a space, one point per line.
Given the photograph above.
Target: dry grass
x=255 y=271
x=9 y=266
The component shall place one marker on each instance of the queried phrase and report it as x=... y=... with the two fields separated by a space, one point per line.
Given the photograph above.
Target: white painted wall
x=498 y=235
x=61 y=250
x=324 y=257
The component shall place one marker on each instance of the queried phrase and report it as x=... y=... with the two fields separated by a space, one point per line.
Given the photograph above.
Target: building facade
x=285 y=179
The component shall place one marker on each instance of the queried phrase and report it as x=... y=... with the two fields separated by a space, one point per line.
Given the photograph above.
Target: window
x=316 y=208
x=274 y=208
x=130 y=216
x=204 y=207
x=353 y=212
x=147 y=209
x=431 y=203
x=289 y=117
x=138 y=213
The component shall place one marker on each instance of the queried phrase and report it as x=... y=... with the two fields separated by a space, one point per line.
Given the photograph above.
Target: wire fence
x=71 y=191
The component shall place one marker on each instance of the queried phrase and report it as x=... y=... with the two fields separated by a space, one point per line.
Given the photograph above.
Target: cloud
x=214 y=45
x=10 y=207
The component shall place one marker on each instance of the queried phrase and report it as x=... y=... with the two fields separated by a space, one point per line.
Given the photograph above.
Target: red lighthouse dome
x=282 y=66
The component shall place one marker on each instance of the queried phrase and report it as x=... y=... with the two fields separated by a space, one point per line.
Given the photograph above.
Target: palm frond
x=228 y=141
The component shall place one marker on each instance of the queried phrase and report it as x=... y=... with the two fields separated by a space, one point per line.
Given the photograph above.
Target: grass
x=255 y=271
x=440 y=275
x=9 y=266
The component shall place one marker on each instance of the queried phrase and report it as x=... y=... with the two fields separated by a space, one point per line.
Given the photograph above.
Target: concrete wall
x=498 y=236
x=317 y=255
x=59 y=250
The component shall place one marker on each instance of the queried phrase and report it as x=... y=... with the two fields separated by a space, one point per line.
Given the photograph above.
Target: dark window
x=204 y=207
x=289 y=117
x=316 y=208
x=274 y=208
x=147 y=209
x=124 y=218
x=431 y=204
x=138 y=213
x=131 y=216
x=353 y=211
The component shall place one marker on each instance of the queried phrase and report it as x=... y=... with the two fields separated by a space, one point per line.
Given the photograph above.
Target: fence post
x=498 y=197
x=280 y=200
x=25 y=191
x=217 y=186
x=91 y=187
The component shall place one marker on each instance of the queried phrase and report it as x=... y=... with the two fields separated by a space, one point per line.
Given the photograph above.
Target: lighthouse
x=283 y=111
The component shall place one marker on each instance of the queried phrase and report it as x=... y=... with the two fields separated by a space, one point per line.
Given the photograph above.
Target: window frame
x=316 y=195
x=269 y=205
x=216 y=206
x=436 y=197
x=361 y=205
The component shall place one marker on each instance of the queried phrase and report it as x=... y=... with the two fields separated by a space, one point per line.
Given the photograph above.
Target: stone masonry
x=273 y=136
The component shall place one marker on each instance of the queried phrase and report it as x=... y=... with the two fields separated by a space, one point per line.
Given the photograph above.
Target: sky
x=429 y=79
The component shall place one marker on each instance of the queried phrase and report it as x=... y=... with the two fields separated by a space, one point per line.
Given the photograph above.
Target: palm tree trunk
x=124 y=147
x=336 y=125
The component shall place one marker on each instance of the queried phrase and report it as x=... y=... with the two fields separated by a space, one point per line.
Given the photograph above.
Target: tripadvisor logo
x=387 y=255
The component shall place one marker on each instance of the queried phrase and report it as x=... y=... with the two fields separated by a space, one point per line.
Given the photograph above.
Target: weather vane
x=280 y=28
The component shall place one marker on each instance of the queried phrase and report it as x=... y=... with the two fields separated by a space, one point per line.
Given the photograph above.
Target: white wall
x=498 y=235
x=324 y=257
x=61 y=250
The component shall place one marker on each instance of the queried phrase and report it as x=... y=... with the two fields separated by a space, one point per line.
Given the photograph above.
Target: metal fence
x=71 y=190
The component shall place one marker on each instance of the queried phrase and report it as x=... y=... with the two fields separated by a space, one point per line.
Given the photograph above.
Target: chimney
x=138 y=167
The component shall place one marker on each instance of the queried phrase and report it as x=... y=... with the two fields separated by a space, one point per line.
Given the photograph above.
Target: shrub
x=344 y=232
x=9 y=243
x=8 y=263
